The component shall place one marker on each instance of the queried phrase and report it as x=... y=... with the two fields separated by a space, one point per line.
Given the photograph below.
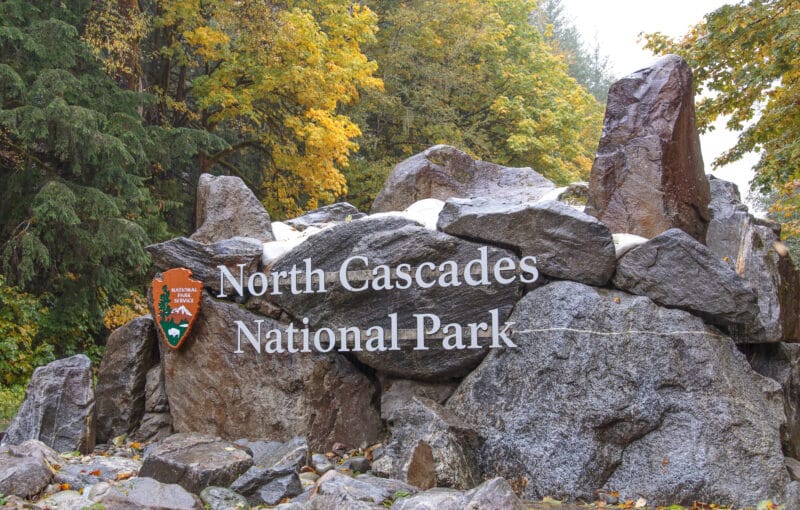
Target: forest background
x=111 y=109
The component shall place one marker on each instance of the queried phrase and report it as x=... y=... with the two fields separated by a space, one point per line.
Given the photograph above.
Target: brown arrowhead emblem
x=176 y=300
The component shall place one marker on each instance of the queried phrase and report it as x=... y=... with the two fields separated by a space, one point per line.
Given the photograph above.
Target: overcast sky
x=616 y=24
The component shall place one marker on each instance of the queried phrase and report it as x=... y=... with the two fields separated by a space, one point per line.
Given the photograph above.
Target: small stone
x=226 y=208
x=64 y=500
x=357 y=464
x=307 y=479
x=321 y=463
x=220 y=498
x=273 y=492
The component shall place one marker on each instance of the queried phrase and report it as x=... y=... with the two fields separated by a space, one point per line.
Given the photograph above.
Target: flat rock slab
x=58 y=408
x=204 y=259
x=567 y=243
x=96 y=470
x=608 y=390
x=648 y=174
x=120 y=393
x=490 y=495
x=195 y=462
x=361 y=489
x=274 y=396
x=227 y=208
x=334 y=213
x=674 y=270
x=144 y=493
x=444 y=172
x=220 y=498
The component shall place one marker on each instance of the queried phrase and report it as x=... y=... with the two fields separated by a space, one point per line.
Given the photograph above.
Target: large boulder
x=451 y=298
x=610 y=391
x=752 y=246
x=444 y=172
x=428 y=448
x=195 y=461
x=58 y=408
x=215 y=390
x=648 y=174
x=675 y=270
x=120 y=393
x=567 y=243
x=227 y=208
x=26 y=469
x=237 y=254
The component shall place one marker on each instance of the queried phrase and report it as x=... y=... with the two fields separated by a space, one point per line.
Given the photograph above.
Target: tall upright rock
x=227 y=208
x=58 y=409
x=648 y=173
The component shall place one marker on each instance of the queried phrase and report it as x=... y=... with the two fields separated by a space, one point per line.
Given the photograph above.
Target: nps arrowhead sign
x=176 y=300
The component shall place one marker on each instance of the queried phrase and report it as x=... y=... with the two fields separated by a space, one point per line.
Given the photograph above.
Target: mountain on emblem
x=176 y=300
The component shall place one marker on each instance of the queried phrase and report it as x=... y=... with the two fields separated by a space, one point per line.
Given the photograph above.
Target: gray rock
x=320 y=396
x=356 y=464
x=444 y=172
x=674 y=270
x=791 y=498
x=648 y=174
x=753 y=248
x=490 y=495
x=429 y=447
x=320 y=463
x=64 y=500
x=195 y=462
x=334 y=213
x=144 y=493
x=95 y=470
x=58 y=408
x=227 y=208
x=364 y=488
x=391 y=242
x=280 y=456
x=398 y=393
x=203 y=259
x=154 y=391
x=567 y=243
x=273 y=475
x=608 y=390
x=272 y=492
x=26 y=469
x=220 y=498
x=154 y=427
x=781 y=362
x=793 y=466
x=120 y=393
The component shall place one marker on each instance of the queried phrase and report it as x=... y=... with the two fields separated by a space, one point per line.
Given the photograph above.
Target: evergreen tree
x=75 y=161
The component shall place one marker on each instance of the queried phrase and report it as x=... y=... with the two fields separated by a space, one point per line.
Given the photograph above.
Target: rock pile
x=641 y=346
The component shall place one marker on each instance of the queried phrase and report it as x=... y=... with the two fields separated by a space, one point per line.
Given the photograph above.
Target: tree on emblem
x=164 y=308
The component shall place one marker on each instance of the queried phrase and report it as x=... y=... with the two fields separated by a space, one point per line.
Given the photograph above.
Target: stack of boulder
x=653 y=358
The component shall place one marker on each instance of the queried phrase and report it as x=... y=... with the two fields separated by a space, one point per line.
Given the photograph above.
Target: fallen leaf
x=64 y=486
x=640 y=503
x=124 y=475
x=96 y=472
